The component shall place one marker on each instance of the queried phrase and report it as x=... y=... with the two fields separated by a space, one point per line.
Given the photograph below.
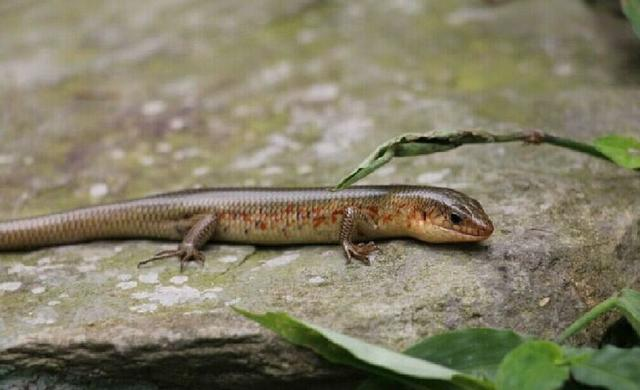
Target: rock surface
x=109 y=100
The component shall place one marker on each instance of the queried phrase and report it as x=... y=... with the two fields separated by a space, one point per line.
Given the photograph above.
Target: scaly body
x=264 y=216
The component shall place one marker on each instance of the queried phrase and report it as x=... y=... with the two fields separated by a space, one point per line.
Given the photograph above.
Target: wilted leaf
x=407 y=145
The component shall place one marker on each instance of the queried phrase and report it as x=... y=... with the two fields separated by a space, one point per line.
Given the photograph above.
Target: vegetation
x=478 y=358
x=631 y=9
x=620 y=150
x=482 y=358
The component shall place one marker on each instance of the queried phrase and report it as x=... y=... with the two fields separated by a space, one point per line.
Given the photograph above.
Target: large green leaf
x=478 y=351
x=534 y=365
x=610 y=367
x=631 y=9
x=624 y=151
x=343 y=349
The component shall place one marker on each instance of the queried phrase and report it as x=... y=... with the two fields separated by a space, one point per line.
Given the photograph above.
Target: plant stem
x=588 y=317
x=574 y=145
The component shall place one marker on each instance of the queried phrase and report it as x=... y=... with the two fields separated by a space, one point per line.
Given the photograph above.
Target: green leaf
x=624 y=151
x=343 y=349
x=629 y=304
x=609 y=367
x=477 y=352
x=627 y=301
x=631 y=9
x=534 y=365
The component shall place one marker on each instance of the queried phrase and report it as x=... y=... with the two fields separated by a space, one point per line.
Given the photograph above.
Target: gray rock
x=105 y=101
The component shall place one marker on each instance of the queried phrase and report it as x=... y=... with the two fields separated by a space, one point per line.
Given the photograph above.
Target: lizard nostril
x=488 y=228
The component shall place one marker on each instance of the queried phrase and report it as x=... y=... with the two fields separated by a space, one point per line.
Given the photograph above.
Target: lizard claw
x=186 y=254
x=361 y=252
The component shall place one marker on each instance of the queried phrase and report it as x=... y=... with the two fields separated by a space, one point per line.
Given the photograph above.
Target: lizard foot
x=361 y=251
x=186 y=254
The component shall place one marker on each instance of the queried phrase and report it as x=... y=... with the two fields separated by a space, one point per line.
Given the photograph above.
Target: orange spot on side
x=317 y=221
x=263 y=225
x=334 y=215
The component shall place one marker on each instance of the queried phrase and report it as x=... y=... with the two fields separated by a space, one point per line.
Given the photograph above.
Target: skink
x=268 y=216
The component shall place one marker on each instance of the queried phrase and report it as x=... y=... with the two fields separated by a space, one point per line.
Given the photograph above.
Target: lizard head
x=447 y=215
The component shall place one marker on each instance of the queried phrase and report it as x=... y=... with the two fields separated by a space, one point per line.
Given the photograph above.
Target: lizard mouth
x=458 y=233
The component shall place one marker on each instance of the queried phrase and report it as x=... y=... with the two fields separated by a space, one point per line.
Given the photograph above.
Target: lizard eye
x=455 y=218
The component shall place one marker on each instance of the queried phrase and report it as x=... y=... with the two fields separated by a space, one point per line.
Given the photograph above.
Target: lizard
x=263 y=216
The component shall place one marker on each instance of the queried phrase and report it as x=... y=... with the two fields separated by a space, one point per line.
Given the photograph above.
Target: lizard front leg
x=361 y=251
x=189 y=248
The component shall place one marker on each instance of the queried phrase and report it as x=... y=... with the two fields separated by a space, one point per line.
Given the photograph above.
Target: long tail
x=80 y=225
x=60 y=228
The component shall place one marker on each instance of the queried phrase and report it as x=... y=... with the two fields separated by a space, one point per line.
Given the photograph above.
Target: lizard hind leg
x=189 y=249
